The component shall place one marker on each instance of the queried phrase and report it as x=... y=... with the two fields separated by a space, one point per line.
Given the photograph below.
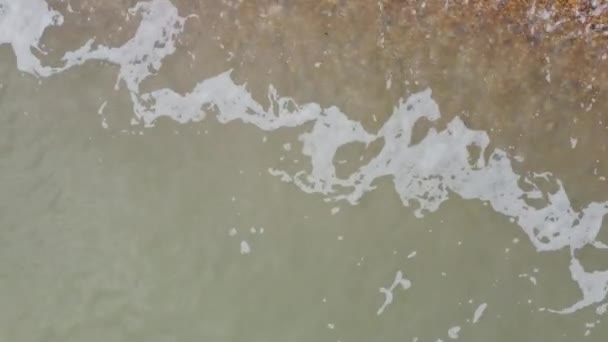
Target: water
x=129 y=212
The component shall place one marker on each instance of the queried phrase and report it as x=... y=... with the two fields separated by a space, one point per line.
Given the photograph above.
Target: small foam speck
x=245 y=249
x=600 y=310
x=453 y=332
x=479 y=312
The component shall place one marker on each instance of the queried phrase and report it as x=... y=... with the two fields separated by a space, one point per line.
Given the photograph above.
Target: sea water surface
x=276 y=171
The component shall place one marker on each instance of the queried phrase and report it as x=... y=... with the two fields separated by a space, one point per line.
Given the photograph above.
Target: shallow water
x=199 y=185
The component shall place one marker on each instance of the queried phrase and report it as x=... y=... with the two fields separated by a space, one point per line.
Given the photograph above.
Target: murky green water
x=126 y=214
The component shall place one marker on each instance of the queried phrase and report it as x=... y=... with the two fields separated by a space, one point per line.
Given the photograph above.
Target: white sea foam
x=454 y=332
x=479 y=312
x=22 y=24
x=388 y=292
x=245 y=248
x=425 y=174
